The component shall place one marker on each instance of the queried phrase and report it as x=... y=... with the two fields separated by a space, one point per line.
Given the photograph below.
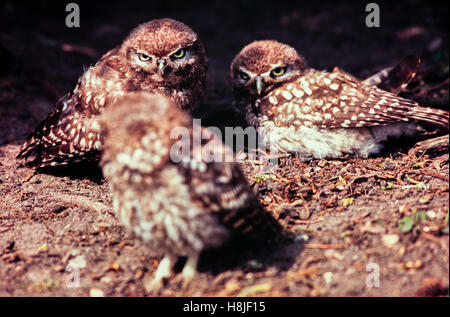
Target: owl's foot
x=190 y=268
x=189 y=271
x=163 y=271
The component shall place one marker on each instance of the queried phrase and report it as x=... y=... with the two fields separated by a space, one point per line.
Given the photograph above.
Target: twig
x=436 y=175
x=306 y=222
x=84 y=203
x=47 y=227
x=324 y=246
x=426 y=91
x=29 y=176
x=434 y=239
x=371 y=175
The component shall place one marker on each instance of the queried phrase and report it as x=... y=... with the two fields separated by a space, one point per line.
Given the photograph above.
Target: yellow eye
x=277 y=72
x=179 y=54
x=144 y=57
x=243 y=75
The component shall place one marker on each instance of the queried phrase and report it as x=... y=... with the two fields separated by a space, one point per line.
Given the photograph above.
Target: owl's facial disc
x=267 y=65
x=161 y=66
x=261 y=84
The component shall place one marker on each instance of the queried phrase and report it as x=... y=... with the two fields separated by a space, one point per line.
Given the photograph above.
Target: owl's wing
x=67 y=135
x=71 y=132
x=334 y=100
x=221 y=188
x=353 y=105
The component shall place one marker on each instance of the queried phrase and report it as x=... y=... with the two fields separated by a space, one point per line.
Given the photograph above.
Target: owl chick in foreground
x=175 y=200
x=317 y=114
x=162 y=56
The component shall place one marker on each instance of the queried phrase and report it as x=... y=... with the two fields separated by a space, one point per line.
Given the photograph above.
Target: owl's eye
x=144 y=57
x=243 y=75
x=277 y=72
x=179 y=54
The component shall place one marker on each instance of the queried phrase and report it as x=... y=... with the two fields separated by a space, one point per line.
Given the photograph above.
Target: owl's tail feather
x=31 y=152
x=434 y=117
x=27 y=147
x=33 y=145
x=37 y=155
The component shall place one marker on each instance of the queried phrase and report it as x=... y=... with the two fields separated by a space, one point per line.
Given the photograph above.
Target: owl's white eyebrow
x=242 y=69
x=187 y=47
x=143 y=52
x=273 y=66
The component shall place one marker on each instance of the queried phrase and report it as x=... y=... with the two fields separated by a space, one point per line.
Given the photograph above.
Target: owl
x=319 y=114
x=161 y=56
x=167 y=189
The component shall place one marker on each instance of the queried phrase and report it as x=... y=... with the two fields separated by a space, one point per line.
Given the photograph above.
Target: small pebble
x=328 y=277
x=389 y=240
x=78 y=261
x=96 y=292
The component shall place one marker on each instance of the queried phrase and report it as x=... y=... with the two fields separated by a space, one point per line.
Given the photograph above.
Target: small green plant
x=264 y=177
x=388 y=186
x=422 y=185
x=302 y=229
x=419 y=215
x=341 y=183
x=405 y=224
x=347 y=201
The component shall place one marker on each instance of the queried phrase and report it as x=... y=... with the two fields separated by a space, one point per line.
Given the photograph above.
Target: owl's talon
x=188 y=273
x=162 y=272
x=190 y=269
x=154 y=286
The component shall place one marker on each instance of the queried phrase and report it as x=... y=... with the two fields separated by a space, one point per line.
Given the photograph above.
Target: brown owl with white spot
x=176 y=191
x=162 y=56
x=317 y=114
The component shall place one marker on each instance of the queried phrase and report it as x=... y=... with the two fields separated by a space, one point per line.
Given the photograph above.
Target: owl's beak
x=161 y=65
x=259 y=82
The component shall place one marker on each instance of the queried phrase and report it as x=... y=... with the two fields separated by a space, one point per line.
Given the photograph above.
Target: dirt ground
x=353 y=218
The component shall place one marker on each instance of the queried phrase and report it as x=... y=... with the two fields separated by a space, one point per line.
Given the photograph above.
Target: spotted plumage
x=163 y=56
x=317 y=114
x=177 y=201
